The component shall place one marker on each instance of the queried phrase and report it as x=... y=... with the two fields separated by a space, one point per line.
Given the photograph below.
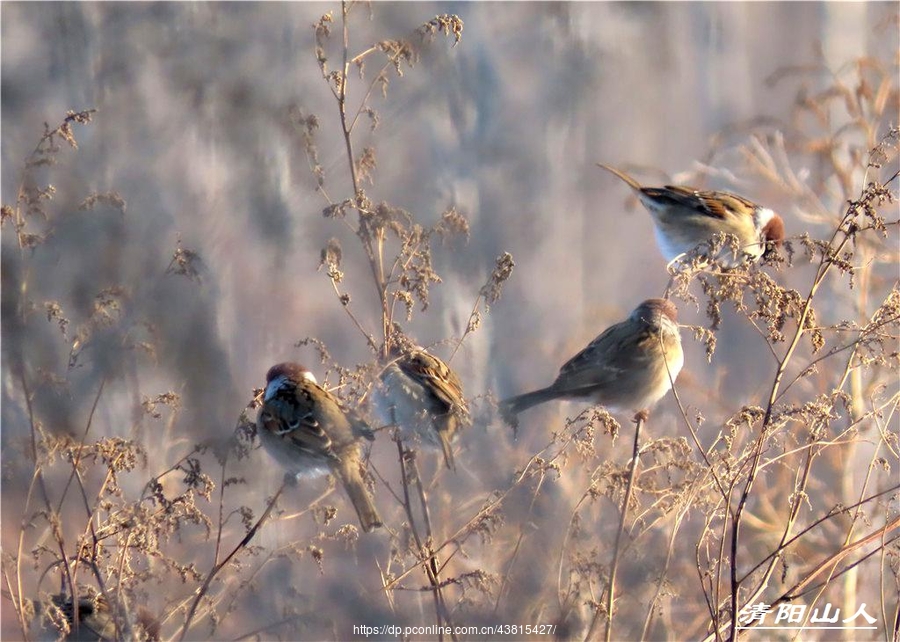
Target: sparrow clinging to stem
x=308 y=431
x=630 y=366
x=685 y=217
x=421 y=395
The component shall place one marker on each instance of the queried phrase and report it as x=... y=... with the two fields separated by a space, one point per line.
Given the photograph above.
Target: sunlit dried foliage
x=185 y=262
x=821 y=397
x=29 y=210
x=669 y=543
x=110 y=199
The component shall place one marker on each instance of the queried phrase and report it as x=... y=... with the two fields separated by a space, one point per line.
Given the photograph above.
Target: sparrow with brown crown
x=95 y=621
x=630 y=366
x=685 y=217
x=422 y=396
x=307 y=430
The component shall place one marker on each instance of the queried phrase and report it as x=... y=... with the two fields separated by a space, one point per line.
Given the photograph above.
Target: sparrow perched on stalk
x=422 y=396
x=95 y=621
x=307 y=430
x=686 y=217
x=630 y=366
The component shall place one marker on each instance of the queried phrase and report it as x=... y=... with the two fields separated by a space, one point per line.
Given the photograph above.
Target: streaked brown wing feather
x=682 y=196
x=720 y=205
x=614 y=351
x=312 y=440
x=439 y=378
x=589 y=354
x=306 y=436
x=734 y=202
x=293 y=417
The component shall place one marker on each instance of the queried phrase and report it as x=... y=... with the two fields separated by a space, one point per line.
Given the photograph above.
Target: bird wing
x=719 y=205
x=616 y=351
x=437 y=377
x=293 y=414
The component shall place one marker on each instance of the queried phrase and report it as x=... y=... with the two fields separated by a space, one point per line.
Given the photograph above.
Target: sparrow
x=686 y=217
x=95 y=620
x=422 y=396
x=630 y=366
x=308 y=431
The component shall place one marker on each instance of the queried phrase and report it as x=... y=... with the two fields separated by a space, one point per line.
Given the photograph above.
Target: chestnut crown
x=650 y=308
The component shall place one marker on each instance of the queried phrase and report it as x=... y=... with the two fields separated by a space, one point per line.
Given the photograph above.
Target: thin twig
x=201 y=592
x=639 y=420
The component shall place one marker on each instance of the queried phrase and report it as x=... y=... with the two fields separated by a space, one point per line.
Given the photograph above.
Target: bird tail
x=510 y=408
x=351 y=477
x=444 y=437
x=633 y=184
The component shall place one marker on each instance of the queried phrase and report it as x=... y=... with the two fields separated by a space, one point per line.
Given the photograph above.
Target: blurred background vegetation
x=178 y=256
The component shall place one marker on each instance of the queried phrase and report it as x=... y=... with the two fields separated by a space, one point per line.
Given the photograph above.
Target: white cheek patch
x=273 y=387
x=762 y=216
x=279 y=382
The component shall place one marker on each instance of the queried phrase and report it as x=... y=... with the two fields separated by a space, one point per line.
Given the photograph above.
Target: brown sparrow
x=628 y=367
x=422 y=396
x=307 y=430
x=686 y=217
x=95 y=620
